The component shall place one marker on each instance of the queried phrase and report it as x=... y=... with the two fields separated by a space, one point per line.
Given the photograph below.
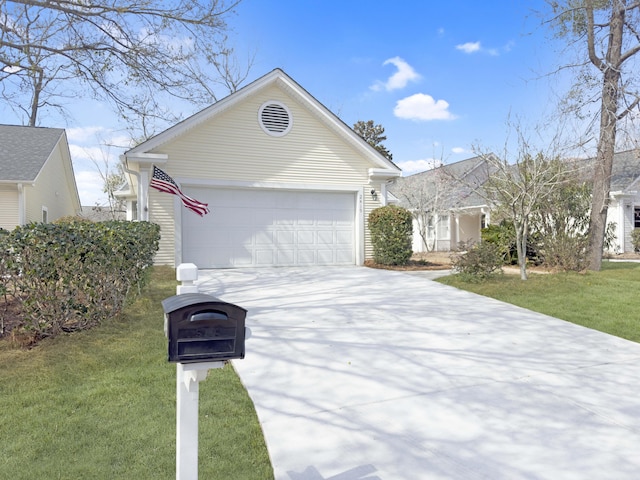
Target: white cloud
x=476 y=47
x=469 y=47
x=415 y=166
x=458 y=150
x=422 y=107
x=400 y=79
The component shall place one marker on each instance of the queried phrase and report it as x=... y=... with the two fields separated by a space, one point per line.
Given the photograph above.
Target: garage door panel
x=305 y=237
x=307 y=257
x=266 y=227
x=285 y=256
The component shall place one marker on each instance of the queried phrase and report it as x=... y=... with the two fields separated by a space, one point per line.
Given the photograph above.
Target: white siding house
x=286 y=181
x=37 y=182
x=454 y=213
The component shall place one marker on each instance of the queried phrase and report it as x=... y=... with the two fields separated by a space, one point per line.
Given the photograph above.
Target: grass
x=100 y=404
x=607 y=301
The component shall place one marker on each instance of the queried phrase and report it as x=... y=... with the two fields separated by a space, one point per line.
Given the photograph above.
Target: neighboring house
x=455 y=212
x=624 y=198
x=286 y=181
x=447 y=210
x=37 y=183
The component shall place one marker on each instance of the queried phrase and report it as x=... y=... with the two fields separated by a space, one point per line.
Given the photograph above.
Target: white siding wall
x=161 y=211
x=51 y=190
x=8 y=207
x=233 y=147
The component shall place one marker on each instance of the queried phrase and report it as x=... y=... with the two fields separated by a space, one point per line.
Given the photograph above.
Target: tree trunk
x=607 y=139
x=35 y=99
x=521 y=248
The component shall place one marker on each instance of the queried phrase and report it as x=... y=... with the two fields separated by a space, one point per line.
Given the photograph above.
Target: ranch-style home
x=286 y=182
x=37 y=182
x=452 y=210
x=455 y=212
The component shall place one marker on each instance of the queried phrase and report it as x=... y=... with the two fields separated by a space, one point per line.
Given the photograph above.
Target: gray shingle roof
x=24 y=150
x=452 y=184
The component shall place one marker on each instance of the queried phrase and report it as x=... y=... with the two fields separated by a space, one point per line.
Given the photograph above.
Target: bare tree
x=608 y=35
x=134 y=53
x=426 y=195
x=113 y=179
x=517 y=189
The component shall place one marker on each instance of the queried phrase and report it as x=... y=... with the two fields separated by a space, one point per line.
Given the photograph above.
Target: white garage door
x=250 y=227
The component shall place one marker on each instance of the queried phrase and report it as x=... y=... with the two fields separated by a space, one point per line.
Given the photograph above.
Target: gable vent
x=275 y=119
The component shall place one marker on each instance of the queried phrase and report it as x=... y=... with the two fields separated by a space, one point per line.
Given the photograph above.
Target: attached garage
x=287 y=183
x=263 y=227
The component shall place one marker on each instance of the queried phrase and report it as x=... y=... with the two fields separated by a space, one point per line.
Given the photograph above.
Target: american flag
x=163 y=182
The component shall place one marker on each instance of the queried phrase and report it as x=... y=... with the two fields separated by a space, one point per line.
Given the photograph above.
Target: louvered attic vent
x=275 y=119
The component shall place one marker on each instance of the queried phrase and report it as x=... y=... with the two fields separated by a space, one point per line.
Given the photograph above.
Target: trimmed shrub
x=72 y=275
x=635 y=239
x=391 y=230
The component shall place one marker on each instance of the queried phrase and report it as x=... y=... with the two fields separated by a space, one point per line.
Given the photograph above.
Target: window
x=443 y=227
x=636 y=217
x=45 y=215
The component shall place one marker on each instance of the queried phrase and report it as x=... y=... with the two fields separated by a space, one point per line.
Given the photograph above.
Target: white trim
x=177 y=232
x=199 y=182
x=377 y=174
x=143 y=157
x=359 y=226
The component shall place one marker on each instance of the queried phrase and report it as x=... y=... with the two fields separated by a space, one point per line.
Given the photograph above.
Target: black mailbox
x=202 y=328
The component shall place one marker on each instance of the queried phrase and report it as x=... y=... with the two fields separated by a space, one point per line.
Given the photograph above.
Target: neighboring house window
x=443 y=226
x=275 y=118
x=637 y=217
x=431 y=227
x=45 y=215
x=483 y=221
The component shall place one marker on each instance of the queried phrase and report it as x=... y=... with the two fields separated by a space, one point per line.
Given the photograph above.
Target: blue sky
x=440 y=77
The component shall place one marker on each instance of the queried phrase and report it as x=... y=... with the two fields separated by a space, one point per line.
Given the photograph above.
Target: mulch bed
x=411 y=266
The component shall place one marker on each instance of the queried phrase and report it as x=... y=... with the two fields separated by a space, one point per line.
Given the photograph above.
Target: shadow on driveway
x=364 y=374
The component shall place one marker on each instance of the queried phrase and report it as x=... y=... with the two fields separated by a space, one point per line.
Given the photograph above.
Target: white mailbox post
x=203 y=333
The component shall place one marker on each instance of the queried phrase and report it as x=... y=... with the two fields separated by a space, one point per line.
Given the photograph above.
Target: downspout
x=22 y=214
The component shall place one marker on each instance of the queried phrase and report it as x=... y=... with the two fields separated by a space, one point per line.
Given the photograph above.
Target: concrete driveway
x=362 y=374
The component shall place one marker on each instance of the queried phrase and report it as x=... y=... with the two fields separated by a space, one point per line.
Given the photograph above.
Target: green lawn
x=608 y=300
x=101 y=404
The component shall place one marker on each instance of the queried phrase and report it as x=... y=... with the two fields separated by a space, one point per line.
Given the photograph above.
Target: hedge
x=391 y=230
x=61 y=277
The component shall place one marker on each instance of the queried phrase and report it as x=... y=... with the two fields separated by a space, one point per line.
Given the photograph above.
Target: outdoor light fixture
x=374 y=195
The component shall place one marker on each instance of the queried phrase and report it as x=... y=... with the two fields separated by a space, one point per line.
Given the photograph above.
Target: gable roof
x=280 y=78
x=24 y=151
x=626 y=171
x=451 y=185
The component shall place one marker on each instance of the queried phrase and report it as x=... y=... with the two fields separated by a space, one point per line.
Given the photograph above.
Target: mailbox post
x=203 y=332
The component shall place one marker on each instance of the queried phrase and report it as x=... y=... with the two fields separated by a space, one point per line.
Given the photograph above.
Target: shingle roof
x=24 y=150
x=453 y=184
